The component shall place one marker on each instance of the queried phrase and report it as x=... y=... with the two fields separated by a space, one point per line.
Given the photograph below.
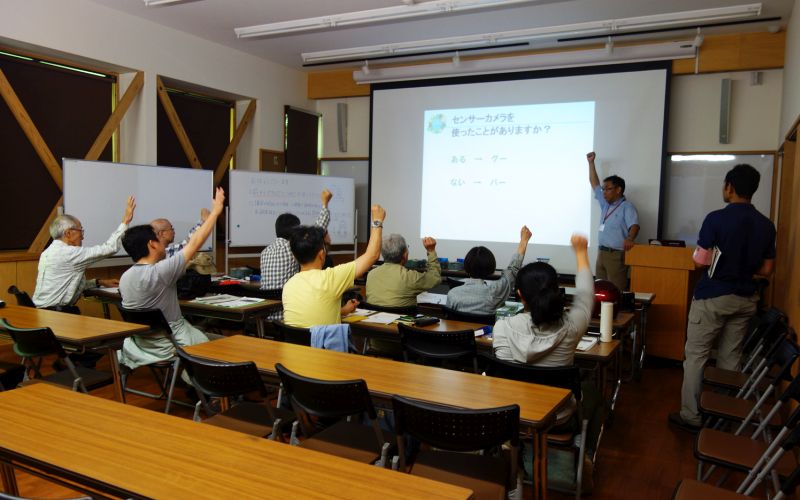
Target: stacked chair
x=744 y=431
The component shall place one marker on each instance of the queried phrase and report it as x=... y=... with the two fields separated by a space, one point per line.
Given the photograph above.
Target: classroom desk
x=538 y=404
x=109 y=449
x=238 y=314
x=601 y=358
x=78 y=332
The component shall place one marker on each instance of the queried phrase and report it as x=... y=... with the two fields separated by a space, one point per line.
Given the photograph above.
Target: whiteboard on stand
x=258 y=198
x=96 y=191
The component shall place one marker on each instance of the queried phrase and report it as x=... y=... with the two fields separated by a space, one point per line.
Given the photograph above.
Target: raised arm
x=130 y=207
x=524 y=237
x=324 y=216
x=593 y=179
x=202 y=233
x=373 y=253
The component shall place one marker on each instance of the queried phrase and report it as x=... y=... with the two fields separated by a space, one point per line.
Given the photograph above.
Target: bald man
x=166 y=233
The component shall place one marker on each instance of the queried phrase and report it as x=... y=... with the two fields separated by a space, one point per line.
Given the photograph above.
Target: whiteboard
x=694 y=188
x=358 y=170
x=95 y=192
x=258 y=198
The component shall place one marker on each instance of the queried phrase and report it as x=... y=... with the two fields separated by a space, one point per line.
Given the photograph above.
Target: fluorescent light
x=713 y=158
x=607 y=27
x=407 y=11
x=151 y=3
x=620 y=54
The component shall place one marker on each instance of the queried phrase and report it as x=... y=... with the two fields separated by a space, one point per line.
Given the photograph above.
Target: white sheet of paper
x=383 y=318
x=431 y=298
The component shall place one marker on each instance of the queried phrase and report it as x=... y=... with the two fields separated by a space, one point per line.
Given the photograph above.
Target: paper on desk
x=225 y=300
x=110 y=289
x=362 y=312
x=383 y=318
x=586 y=343
x=431 y=298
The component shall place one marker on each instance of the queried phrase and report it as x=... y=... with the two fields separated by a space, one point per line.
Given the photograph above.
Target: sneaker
x=676 y=419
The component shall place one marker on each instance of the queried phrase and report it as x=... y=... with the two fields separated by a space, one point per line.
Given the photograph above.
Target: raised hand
x=429 y=244
x=130 y=207
x=325 y=196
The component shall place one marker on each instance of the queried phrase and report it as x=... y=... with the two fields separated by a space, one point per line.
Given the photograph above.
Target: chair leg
x=383 y=462
x=293 y=441
x=581 y=455
x=175 y=372
x=196 y=416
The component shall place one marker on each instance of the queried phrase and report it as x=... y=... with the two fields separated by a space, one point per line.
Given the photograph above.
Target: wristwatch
x=377 y=223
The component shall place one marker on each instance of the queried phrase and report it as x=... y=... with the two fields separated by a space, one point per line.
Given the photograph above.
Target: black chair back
x=452 y=282
x=23 y=299
x=565 y=377
x=33 y=342
x=292 y=334
x=455 y=429
x=406 y=310
x=219 y=379
x=481 y=319
x=326 y=399
x=437 y=345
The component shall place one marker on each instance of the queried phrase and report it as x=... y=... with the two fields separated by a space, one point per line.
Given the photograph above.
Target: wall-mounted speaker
x=341 y=125
x=725 y=111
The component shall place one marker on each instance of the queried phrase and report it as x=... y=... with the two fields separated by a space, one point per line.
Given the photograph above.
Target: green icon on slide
x=437 y=124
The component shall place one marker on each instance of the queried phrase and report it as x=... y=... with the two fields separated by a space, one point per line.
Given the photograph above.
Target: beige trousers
x=611 y=266
x=724 y=320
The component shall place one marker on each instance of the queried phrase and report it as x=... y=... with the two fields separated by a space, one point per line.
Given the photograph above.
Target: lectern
x=670 y=273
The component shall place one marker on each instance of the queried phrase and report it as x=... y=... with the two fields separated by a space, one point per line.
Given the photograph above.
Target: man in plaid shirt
x=277 y=262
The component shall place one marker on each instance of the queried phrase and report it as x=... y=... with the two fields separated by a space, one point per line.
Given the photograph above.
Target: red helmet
x=605 y=291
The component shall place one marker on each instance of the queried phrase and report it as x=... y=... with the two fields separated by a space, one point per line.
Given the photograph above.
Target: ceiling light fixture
x=488 y=40
x=153 y=3
x=407 y=11
x=593 y=57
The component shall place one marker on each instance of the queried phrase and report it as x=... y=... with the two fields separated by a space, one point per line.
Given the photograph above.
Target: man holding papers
x=735 y=243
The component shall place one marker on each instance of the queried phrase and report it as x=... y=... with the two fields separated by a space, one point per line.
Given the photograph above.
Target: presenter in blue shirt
x=735 y=244
x=619 y=225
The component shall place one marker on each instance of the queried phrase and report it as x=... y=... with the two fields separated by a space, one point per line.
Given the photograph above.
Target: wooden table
x=538 y=404
x=238 y=314
x=107 y=448
x=78 y=332
x=601 y=358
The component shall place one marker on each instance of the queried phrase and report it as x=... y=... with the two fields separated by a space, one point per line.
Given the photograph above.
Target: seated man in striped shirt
x=277 y=262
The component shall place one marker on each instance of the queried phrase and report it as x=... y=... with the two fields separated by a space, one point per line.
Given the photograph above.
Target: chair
x=442 y=346
x=10 y=375
x=317 y=402
x=454 y=431
x=453 y=282
x=404 y=310
x=23 y=299
x=481 y=319
x=292 y=334
x=33 y=344
x=567 y=377
x=382 y=347
x=164 y=372
x=755 y=458
x=759 y=347
x=691 y=489
x=740 y=409
x=231 y=381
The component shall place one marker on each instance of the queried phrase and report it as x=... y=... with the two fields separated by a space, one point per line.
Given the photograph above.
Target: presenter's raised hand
x=429 y=244
x=204 y=213
x=325 y=196
x=525 y=235
x=590 y=157
x=219 y=202
x=378 y=213
x=127 y=217
x=579 y=242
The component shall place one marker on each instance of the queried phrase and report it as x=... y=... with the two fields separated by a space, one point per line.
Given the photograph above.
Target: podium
x=670 y=273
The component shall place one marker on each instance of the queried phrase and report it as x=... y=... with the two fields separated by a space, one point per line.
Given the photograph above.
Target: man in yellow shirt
x=312 y=297
x=392 y=284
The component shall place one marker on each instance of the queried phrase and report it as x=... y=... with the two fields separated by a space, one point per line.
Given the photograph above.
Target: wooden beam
x=116 y=117
x=44 y=233
x=736 y=52
x=219 y=172
x=30 y=130
x=335 y=84
x=177 y=126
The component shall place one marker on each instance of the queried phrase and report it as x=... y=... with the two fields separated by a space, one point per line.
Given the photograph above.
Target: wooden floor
x=641 y=455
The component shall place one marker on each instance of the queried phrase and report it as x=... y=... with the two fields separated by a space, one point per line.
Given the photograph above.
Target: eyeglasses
x=170 y=228
x=81 y=230
x=609 y=188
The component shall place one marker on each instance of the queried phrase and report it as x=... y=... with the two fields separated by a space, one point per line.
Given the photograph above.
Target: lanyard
x=608 y=214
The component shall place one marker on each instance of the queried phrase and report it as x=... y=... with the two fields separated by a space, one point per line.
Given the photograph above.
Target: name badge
x=602 y=226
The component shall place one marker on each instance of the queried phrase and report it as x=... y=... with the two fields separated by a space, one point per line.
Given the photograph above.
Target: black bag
x=193 y=284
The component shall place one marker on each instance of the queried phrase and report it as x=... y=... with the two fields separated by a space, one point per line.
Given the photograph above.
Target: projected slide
x=487 y=171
